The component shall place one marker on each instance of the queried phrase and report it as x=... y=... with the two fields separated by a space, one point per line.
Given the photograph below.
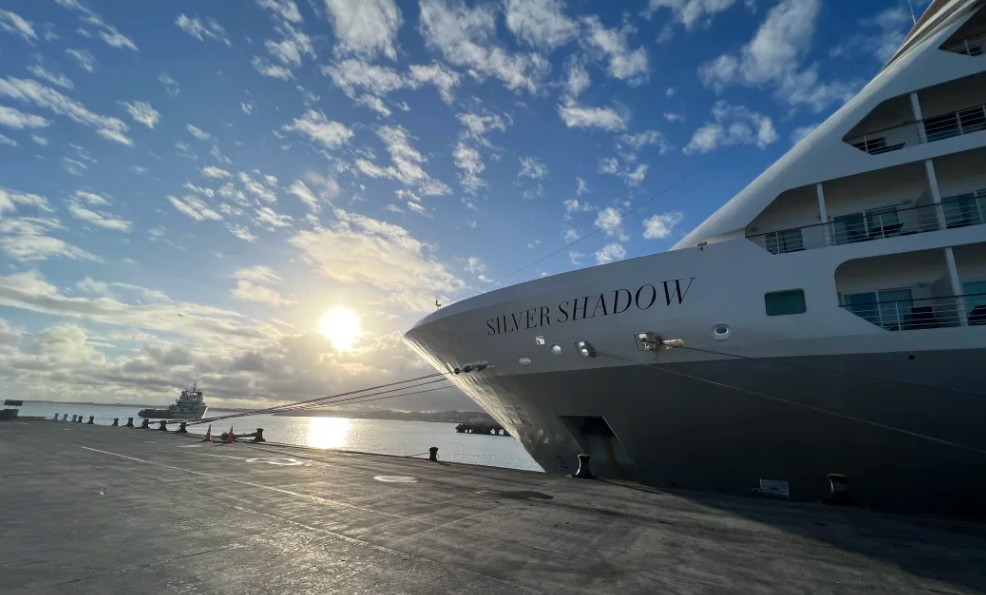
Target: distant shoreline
x=385 y=414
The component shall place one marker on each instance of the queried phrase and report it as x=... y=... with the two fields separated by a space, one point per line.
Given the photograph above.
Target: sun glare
x=341 y=326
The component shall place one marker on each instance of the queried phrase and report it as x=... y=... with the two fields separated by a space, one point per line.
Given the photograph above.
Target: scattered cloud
x=14 y=24
x=242 y=232
x=733 y=125
x=215 y=172
x=18 y=120
x=170 y=85
x=603 y=118
x=367 y=28
x=611 y=222
x=29 y=91
x=27 y=239
x=406 y=167
x=611 y=253
x=444 y=79
x=194 y=208
x=674 y=117
x=251 y=292
x=101 y=219
x=286 y=9
x=646 y=138
x=541 y=23
x=660 y=226
x=608 y=165
x=198 y=132
x=469 y=161
x=320 y=129
x=531 y=168
x=83 y=58
x=107 y=33
x=142 y=112
x=198 y=29
x=690 y=12
x=466 y=37
x=581 y=187
x=613 y=46
x=43 y=73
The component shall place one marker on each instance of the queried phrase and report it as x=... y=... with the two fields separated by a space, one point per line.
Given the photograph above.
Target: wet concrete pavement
x=95 y=509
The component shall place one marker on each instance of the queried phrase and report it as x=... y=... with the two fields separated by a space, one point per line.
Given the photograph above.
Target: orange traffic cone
x=208 y=434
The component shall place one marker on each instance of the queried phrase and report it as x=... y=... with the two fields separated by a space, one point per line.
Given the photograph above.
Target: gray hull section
x=723 y=425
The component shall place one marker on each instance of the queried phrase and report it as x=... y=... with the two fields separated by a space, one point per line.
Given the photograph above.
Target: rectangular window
x=889 y=308
x=975 y=302
x=850 y=228
x=789 y=240
x=962 y=210
x=785 y=303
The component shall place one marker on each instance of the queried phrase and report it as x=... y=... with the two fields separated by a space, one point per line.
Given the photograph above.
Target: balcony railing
x=952 y=212
x=928 y=130
x=927 y=313
x=972 y=46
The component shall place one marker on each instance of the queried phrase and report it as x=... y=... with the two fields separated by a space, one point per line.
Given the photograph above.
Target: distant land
x=451 y=416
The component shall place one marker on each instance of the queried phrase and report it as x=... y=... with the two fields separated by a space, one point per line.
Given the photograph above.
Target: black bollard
x=433 y=454
x=259 y=436
x=130 y=422
x=91 y=418
x=56 y=417
x=162 y=427
x=116 y=421
x=584 y=472
x=181 y=429
x=839 y=485
x=79 y=420
x=73 y=417
x=145 y=425
x=65 y=417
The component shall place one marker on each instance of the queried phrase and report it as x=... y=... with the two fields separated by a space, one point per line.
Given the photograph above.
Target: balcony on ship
x=970 y=38
x=920 y=290
x=944 y=193
x=936 y=113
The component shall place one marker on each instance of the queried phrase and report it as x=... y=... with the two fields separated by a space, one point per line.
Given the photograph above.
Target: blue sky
x=187 y=187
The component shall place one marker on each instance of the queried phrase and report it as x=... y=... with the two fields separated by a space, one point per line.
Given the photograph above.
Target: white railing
x=936 y=128
x=927 y=313
x=952 y=212
x=971 y=46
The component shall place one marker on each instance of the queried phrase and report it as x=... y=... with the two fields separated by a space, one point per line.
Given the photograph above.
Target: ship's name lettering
x=607 y=303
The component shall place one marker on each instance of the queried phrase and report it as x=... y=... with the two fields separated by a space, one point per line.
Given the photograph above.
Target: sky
x=261 y=196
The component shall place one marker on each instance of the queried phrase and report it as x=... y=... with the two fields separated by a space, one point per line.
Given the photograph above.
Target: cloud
x=660 y=226
x=258 y=274
x=612 y=45
x=646 y=138
x=466 y=37
x=610 y=253
x=305 y=195
x=199 y=30
x=73 y=166
x=367 y=28
x=374 y=103
x=90 y=198
x=531 y=168
x=799 y=133
x=479 y=125
x=773 y=57
x=611 y=222
x=9 y=199
x=893 y=24
x=469 y=161
x=18 y=120
x=271 y=220
x=444 y=79
x=603 y=118
x=578 y=81
x=406 y=161
x=320 y=129
x=41 y=96
x=142 y=112
x=690 y=12
x=574 y=205
x=170 y=85
x=256 y=188
x=56 y=79
x=39 y=140
x=198 y=132
x=674 y=117
x=286 y=9
x=6 y=140
x=242 y=232
x=16 y=25
x=608 y=165
x=354 y=76
x=581 y=187
x=540 y=23
x=215 y=172
x=292 y=45
x=635 y=177
x=733 y=125
x=194 y=208
x=98 y=218
x=366 y=251
x=108 y=33
x=247 y=291
x=26 y=239
x=84 y=58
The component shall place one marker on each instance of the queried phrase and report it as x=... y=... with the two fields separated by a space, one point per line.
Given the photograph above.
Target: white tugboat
x=190 y=405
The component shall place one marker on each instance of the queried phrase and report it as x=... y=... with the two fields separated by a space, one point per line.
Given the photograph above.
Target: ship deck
x=95 y=509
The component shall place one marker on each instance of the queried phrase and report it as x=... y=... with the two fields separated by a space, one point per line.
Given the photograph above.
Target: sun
x=341 y=326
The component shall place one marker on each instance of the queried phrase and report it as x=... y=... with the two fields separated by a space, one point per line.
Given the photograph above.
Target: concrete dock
x=97 y=509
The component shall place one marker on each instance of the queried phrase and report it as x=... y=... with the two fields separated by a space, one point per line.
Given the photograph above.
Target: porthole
x=524 y=361
x=556 y=349
x=721 y=332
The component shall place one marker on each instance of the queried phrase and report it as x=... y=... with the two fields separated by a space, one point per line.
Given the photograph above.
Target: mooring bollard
x=130 y=422
x=181 y=429
x=259 y=436
x=56 y=417
x=145 y=425
x=116 y=421
x=73 y=417
x=584 y=472
x=433 y=454
x=839 y=485
x=65 y=417
x=79 y=420
x=91 y=418
x=162 y=427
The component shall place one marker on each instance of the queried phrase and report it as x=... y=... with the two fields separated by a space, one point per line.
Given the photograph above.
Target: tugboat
x=190 y=405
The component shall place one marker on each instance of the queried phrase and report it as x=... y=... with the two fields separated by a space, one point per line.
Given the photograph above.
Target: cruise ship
x=828 y=319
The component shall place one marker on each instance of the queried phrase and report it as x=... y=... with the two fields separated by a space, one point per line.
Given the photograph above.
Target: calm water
x=366 y=435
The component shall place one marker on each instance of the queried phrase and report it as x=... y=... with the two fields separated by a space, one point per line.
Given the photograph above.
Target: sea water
x=380 y=436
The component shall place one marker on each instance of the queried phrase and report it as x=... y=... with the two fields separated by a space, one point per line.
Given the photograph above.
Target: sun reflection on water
x=328 y=432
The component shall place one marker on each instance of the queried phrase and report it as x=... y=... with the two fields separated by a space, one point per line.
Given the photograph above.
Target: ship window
x=779 y=242
x=784 y=303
